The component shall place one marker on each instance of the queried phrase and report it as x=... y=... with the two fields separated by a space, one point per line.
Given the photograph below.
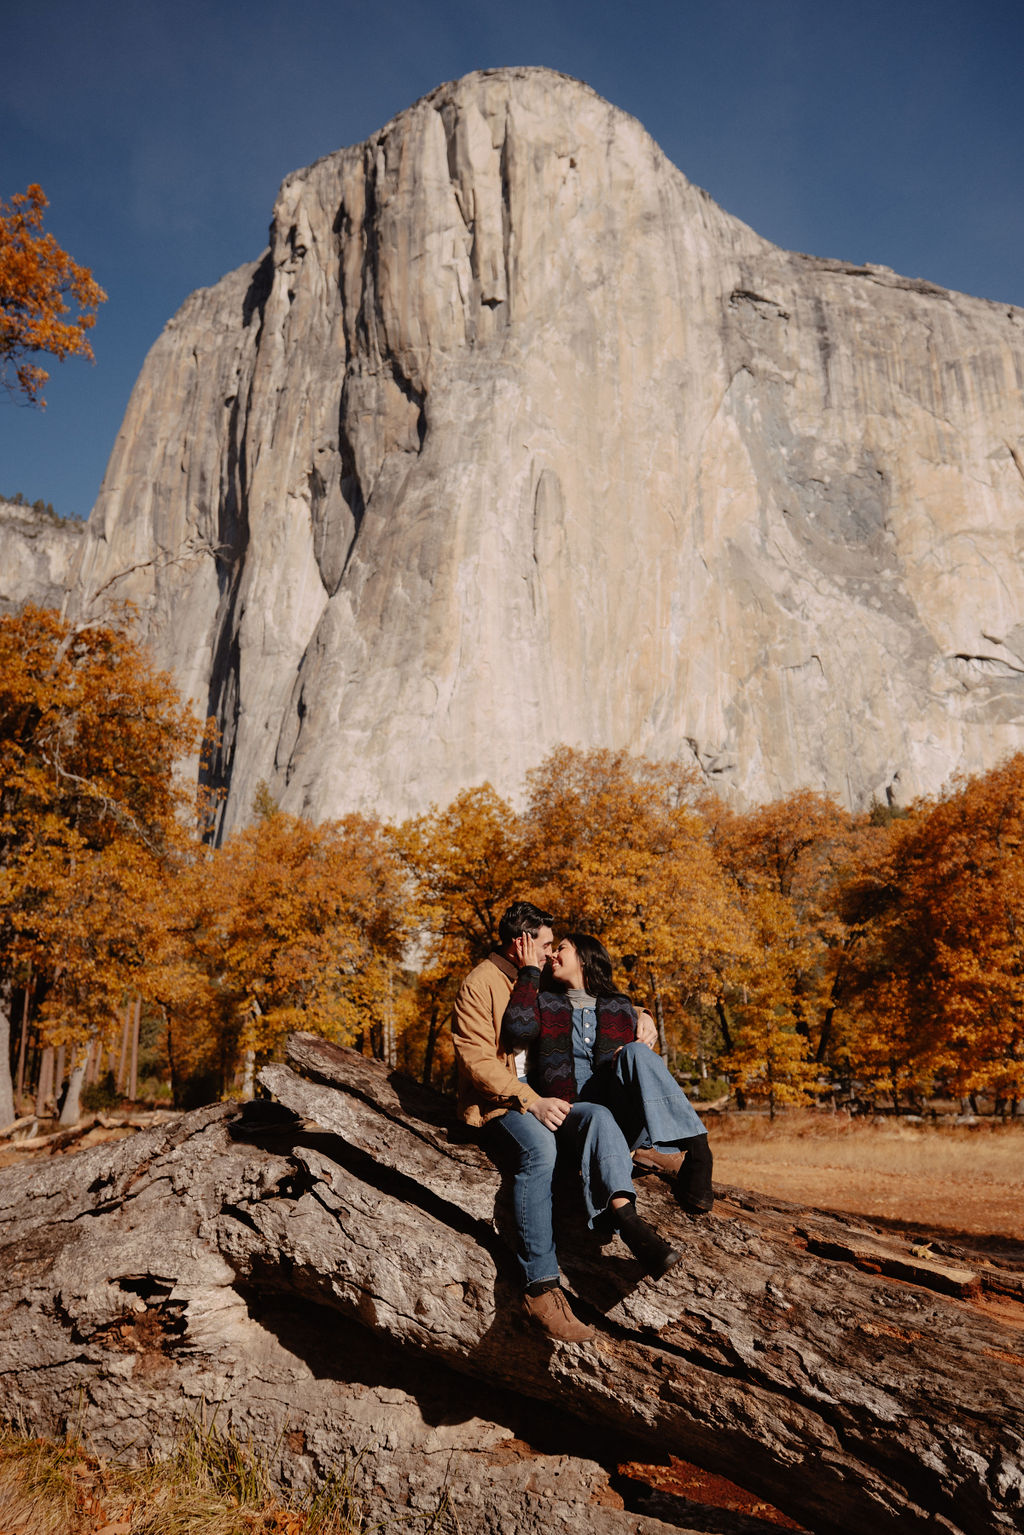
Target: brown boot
x=550 y=1312
x=647 y=1160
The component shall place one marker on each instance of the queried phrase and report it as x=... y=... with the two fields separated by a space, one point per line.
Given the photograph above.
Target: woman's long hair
x=596 y=964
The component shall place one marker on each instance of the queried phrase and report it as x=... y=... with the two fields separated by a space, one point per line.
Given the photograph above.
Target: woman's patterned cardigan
x=544 y=1018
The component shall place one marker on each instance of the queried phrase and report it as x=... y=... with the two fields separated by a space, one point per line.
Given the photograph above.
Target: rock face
x=514 y=438
x=39 y=556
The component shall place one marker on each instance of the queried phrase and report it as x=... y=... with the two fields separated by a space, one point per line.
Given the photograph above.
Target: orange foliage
x=37 y=279
x=617 y=849
x=941 y=990
x=466 y=865
x=288 y=926
x=92 y=815
x=889 y=951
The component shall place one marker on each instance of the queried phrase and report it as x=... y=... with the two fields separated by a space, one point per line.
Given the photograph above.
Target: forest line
x=790 y=952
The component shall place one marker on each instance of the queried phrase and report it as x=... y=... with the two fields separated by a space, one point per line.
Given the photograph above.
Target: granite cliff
x=40 y=556
x=513 y=437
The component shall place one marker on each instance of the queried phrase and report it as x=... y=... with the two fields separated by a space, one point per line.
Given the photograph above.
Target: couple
x=563 y=1064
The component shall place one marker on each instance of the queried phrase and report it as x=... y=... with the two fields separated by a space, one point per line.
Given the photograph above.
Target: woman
x=618 y=1097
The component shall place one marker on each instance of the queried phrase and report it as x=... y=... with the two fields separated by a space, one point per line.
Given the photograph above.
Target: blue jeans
x=520 y=1144
x=631 y=1101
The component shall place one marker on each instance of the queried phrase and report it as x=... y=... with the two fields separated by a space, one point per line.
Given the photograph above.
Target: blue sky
x=888 y=132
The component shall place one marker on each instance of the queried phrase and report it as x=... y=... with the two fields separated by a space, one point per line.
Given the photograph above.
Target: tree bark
x=71 y=1108
x=7 y=1110
x=816 y=1361
x=133 y=1065
x=45 y=1087
x=23 y=1044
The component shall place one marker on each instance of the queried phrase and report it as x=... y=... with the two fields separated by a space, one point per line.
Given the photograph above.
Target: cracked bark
x=815 y=1361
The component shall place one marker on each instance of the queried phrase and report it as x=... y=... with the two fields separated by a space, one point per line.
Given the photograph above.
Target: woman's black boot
x=650 y=1250
x=693 y=1180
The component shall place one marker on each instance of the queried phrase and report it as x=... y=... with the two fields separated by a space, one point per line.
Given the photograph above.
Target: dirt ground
x=955 y=1180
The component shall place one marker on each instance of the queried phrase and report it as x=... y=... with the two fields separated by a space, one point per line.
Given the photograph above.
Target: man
x=517 y=1125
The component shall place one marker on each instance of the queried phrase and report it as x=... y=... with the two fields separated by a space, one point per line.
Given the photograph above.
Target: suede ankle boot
x=548 y=1308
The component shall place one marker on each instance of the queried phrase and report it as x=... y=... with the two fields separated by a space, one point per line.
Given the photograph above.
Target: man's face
x=543 y=942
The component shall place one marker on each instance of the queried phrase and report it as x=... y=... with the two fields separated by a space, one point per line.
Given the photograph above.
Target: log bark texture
x=341 y=1281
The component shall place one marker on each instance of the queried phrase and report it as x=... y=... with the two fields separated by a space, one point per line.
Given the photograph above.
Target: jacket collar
x=506 y=966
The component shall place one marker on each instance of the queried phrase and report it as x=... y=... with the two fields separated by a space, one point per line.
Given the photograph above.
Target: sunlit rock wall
x=513 y=437
x=39 y=556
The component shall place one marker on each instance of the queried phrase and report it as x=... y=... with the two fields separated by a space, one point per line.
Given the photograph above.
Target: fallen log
x=16 y=1125
x=819 y=1363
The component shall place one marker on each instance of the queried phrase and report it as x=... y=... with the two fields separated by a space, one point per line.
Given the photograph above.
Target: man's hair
x=522 y=917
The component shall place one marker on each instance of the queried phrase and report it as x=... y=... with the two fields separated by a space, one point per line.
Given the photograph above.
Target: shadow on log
x=331 y=1269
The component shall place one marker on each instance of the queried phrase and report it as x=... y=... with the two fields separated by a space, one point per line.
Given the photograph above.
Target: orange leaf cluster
x=37 y=280
x=92 y=814
x=287 y=926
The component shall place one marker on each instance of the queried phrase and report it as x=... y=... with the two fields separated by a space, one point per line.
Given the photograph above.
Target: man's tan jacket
x=488 y=1084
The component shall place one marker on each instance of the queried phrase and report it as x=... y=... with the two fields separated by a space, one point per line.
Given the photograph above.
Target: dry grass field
x=956 y=1179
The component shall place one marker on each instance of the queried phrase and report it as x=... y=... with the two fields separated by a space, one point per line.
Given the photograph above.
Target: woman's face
x=566 y=967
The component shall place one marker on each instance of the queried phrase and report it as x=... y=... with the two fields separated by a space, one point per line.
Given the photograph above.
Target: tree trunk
x=818 y=1362
x=659 y=1015
x=7 y=1110
x=23 y=1044
x=44 y=1090
x=59 y=1061
x=133 y=1068
x=93 y=1062
x=723 y=1020
x=71 y=1108
x=428 y=1053
x=826 y=1035
x=120 y=1079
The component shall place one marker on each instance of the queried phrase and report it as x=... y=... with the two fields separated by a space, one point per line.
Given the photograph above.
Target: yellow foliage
x=618 y=849
x=92 y=816
x=37 y=279
x=287 y=926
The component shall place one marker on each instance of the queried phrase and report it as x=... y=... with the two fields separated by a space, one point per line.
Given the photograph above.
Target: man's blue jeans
x=632 y=1101
x=520 y=1144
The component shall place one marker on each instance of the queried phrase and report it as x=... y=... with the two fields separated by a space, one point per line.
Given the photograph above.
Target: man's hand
x=646 y=1030
x=525 y=948
x=550 y=1111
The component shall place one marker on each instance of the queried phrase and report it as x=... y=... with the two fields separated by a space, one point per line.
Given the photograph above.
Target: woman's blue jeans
x=629 y=1102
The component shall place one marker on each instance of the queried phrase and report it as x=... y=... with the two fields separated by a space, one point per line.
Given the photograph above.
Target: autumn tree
x=289 y=926
x=92 y=813
x=941 y=982
x=617 y=848
x=467 y=864
x=786 y=860
x=40 y=289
